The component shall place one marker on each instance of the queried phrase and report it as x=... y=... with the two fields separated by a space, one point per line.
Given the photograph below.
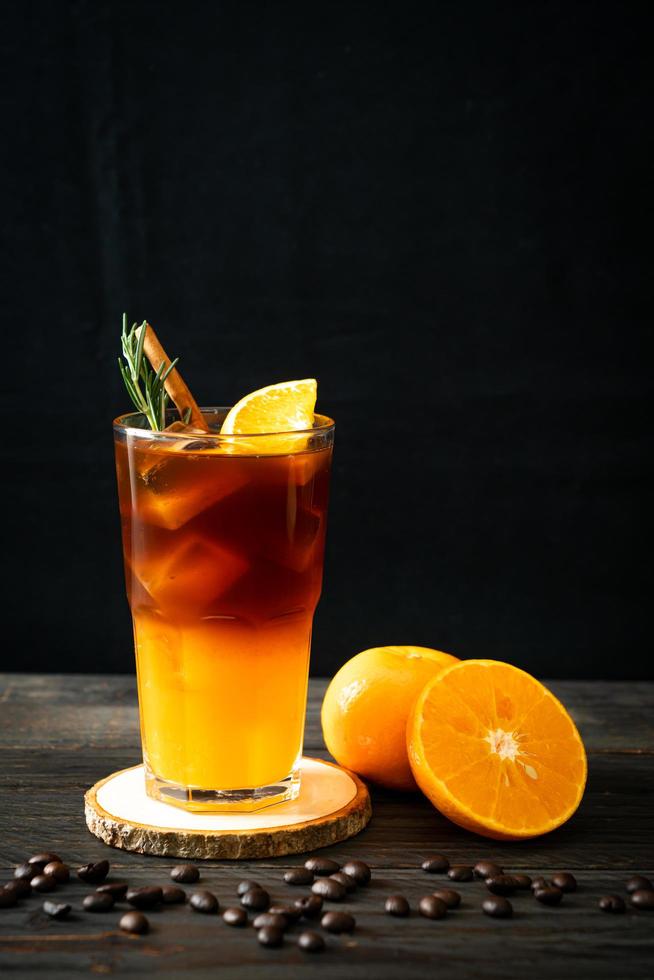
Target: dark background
x=437 y=209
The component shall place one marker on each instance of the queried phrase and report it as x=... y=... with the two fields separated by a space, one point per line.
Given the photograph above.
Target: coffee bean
x=460 y=872
x=235 y=917
x=310 y=906
x=310 y=941
x=435 y=864
x=298 y=876
x=57 y=870
x=497 y=907
x=538 y=883
x=344 y=879
x=8 y=898
x=56 y=910
x=187 y=874
x=522 y=882
x=255 y=899
x=204 y=901
x=611 y=903
x=501 y=885
x=45 y=857
x=43 y=883
x=98 y=902
x=134 y=922
x=565 y=881
x=329 y=889
x=636 y=882
x=549 y=895
x=397 y=905
x=170 y=895
x=270 y=919
x=643 y=898
x=358 y=870
x=25 y=872
x=338 y=922
x=322 y=866
x=144 y=898
x=117 y=889
x=20 y=887
x=94 y=873
x=290 y=911
x=432 y=907
x=247 y=886
x=487 y=869
x=451 y=898
x=270 y=936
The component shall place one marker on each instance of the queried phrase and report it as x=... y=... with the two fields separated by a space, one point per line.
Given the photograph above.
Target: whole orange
x=366 y=707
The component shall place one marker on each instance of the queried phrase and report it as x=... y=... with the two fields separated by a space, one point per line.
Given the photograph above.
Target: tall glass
x=223 y=540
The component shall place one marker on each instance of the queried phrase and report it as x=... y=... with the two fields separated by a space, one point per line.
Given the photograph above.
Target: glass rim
x=322 y=425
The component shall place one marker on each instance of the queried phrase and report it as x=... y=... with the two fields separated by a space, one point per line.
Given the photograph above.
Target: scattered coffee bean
x=537 y=883
x=98 y=902
x=134 y=922
x=435 y=864
x=171 y=895
x=397 y=905
x=45 y=857
x=235 y=917
x=451 y=898
x=643 y=898
x=204 y=901
x=20 y=887
x=501 y=885
x=358 y=870
x=57 y=870
x=636 y=882
x=56 y=910
x=310 y=906
x=255 y=899
x=270 y=919
x=144 y=898
x=94 y=873
x=43 y=883
x=611 y=903
x=187 y=874
x=565 y=881
x=8 y=898
x=310 y=941
x=298 y=876
x=487 y=869
x=549 y=895
x=290 y=911
x=497 y=907
x=522 y=882
x=117 y=889
x=270 y=936
x=247 y=886
x=460 y=872
x=432 y=907
x=338 y=922
x=344 y=879
x=322 y=866
x=329 y=889
x=25 y=872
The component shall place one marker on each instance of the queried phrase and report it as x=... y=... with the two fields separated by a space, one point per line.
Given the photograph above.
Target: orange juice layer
x=223 y=559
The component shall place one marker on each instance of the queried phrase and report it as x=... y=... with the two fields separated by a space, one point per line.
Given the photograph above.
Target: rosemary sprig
x=144 y=386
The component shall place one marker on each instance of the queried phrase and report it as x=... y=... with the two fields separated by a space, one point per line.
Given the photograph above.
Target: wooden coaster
x=333 y=805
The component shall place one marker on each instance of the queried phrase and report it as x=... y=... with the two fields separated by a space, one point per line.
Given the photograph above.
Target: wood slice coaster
x=333 y=805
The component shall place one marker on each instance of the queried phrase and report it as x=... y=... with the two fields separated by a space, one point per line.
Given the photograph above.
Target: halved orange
x=495 y=751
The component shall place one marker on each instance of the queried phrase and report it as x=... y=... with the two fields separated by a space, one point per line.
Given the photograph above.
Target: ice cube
x=177 y=490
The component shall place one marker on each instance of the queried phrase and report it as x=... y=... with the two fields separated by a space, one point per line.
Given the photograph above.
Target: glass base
x=222 y=800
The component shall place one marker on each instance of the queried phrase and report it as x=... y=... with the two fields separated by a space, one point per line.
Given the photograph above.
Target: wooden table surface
x=60 y=733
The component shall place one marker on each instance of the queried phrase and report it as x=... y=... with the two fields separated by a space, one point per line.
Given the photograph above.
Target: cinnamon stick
x=174 y=383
